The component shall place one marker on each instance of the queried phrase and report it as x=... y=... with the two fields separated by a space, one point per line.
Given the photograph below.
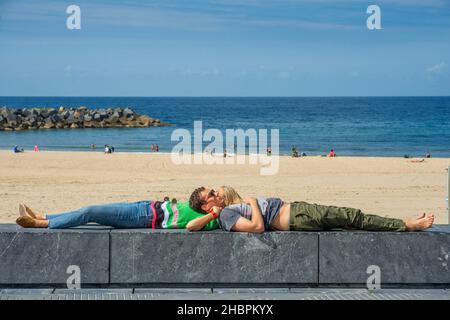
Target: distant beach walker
x=82 y=117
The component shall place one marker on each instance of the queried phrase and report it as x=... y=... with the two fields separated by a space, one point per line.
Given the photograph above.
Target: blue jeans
x=117 y=215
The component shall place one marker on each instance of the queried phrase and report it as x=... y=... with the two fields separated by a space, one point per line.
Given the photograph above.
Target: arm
x=256 y=224
x=199 y=223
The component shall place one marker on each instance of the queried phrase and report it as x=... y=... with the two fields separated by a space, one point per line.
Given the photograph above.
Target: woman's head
x=229 y=195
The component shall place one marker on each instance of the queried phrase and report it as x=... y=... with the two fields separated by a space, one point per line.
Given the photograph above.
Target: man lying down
x=142 y=214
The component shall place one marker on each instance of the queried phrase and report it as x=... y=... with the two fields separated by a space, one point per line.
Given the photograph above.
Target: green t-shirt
x=177 y=216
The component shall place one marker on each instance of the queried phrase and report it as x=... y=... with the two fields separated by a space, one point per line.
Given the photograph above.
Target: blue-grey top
x=269 y=207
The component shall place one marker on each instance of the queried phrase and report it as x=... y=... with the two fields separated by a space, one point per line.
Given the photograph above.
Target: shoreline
x=286 y=155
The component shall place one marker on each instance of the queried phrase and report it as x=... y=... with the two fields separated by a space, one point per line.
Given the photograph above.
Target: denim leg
x=117 y=215
x=53 y=216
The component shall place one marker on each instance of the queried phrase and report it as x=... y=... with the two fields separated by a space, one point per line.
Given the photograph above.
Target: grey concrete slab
x=173 y=291
x=403 y=258
x=158 y=256
x=42 y=256
x=364 y=294
x=94 y=290
x=439 y=228
x=250 y=290
x=32 y=291
x=297 y=294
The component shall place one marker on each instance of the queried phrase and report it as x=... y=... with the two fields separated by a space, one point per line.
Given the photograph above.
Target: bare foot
x=29 y=222
x=33 y=214
x=22 y=211
x=414 y=219
x=421 y=223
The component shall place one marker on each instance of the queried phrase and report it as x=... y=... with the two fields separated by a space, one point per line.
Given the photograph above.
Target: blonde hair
x=230 y=196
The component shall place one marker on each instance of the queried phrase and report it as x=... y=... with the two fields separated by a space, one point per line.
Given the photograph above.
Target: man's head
x=203 y=199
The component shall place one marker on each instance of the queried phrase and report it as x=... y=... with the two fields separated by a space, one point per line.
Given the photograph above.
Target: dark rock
x=102 y=113
x=26 y=112
x=71 y=119
x=128 y=112
x=47 y=118
x=49 y=124
x=114 y=117
x=11 y=117
x=22 y=126
x=119 y=111
x=51 y=112
x=56 y=118
x=65 y=114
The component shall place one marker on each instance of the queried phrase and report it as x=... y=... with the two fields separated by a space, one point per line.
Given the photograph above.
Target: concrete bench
x=169 y=258
x=42 y=256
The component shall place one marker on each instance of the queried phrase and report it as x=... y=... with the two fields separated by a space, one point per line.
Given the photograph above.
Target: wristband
x=215 y=215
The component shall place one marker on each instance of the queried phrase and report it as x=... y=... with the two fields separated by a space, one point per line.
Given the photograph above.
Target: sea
x=351 y=126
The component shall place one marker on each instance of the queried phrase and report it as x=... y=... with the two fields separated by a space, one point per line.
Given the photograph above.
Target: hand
x=217 y=210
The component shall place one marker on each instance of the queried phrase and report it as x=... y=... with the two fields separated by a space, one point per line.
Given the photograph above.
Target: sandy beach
x=53 y=182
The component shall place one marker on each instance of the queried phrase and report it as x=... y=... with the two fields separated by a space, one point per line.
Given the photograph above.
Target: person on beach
x=142 y=214
x=331 y=154
x=262 y=214
x=16 y=149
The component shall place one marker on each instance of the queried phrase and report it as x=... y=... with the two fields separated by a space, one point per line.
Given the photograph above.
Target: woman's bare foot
x=29 y=222
x=421 y=223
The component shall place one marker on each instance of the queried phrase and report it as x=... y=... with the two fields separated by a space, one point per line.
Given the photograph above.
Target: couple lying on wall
x=208 y=209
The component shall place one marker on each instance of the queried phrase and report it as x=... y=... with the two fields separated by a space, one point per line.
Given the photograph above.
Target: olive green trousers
x=314 y=217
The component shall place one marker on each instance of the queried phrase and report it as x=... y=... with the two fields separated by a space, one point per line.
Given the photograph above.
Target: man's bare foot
x=421 y=223
x=33 y=214
x=29 y=222
x=22 y=211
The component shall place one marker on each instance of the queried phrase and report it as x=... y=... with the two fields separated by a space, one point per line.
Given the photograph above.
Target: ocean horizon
x=352 y=126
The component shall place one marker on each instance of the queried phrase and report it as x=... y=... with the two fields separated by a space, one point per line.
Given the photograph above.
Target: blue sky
x=224 y=48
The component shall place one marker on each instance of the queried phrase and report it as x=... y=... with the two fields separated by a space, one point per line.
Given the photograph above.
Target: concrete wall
x=177 y=257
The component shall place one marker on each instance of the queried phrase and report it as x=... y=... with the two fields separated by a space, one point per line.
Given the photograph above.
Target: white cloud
x=437 y=68
x=68 y=71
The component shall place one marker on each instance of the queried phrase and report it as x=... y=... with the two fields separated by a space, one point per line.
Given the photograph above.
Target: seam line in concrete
x=318 y=259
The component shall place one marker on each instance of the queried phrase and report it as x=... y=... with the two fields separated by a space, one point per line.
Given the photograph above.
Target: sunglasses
x=211 y=193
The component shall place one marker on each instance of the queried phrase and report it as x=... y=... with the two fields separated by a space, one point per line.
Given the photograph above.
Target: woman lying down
x=262 y=214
